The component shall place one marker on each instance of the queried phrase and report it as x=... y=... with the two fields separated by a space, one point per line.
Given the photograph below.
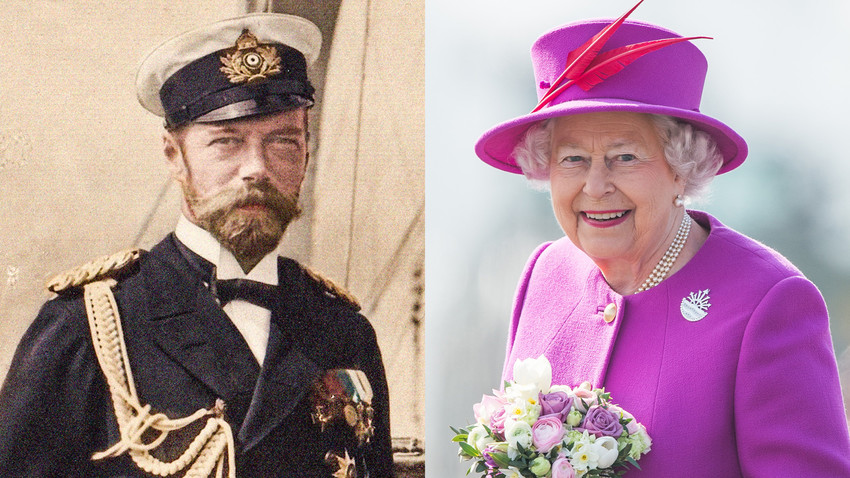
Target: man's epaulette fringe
x=110 y=266
x=331 y=288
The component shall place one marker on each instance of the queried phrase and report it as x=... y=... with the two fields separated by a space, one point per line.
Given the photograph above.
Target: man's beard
x=249 y=235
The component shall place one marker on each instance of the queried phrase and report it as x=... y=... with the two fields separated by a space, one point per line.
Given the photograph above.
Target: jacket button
x=610 y=313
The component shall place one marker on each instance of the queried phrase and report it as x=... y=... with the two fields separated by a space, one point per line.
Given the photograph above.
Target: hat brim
x=495 y=147
x=296 y=32
x=242 y=109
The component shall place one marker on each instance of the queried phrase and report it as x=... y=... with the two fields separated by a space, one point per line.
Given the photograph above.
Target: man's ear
x=174 y=156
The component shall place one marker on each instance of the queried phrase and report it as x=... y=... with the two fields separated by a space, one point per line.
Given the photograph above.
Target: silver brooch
x=695 y=306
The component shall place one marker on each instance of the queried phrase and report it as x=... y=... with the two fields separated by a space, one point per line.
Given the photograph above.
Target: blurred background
x=777 y=75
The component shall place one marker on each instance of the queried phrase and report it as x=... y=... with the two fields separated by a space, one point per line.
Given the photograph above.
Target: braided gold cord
x=94 y=270
x=212 y=448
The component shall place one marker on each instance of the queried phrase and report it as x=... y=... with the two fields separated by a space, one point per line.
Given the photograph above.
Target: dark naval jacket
x=185 y=353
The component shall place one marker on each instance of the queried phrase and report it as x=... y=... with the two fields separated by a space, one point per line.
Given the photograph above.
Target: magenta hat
x=667 y=81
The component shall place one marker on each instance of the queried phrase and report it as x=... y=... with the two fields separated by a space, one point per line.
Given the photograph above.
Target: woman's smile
x=605 y=218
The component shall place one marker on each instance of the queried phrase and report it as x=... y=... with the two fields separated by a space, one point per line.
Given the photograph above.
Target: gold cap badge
x=249 y=61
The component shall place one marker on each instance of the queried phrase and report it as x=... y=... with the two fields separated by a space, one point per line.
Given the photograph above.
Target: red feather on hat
x=611 y=62
x=587 y=67
x=579 y=59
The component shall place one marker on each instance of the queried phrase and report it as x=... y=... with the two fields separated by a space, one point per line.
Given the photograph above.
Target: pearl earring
x=678 y=202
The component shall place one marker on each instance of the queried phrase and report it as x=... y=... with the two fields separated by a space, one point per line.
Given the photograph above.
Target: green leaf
x=461 y=437
x=501 y=459
x=633 y=462
x=469 y=449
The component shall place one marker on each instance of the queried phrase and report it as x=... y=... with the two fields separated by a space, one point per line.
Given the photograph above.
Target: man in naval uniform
x=209 y=355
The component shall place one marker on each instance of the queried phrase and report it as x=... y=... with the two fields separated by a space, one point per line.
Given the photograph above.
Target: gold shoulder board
x=100 y=268
x=333 y=289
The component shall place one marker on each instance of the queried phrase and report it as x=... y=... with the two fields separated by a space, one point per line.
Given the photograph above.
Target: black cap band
x=204 y=86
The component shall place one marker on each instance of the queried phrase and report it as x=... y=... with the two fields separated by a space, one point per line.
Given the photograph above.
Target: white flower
x=511 y=472
x=562 y=388
x=640 y=441
x=479 y=438
x=525 y=410
x=607 y=450
x=574 y=418
x=584 y=457
x=522 y=392
x=517 y=434
x=536 y=372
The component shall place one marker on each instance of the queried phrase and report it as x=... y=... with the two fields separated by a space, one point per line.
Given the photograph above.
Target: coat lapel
x=189 y=326
x=288 y=373
x=284 y=381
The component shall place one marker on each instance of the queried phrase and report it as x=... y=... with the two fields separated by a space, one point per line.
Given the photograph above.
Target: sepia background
x=777 y=74
x=82 y=172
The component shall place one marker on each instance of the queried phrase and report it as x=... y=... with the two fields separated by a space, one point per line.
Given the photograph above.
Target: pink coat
x=749 y=390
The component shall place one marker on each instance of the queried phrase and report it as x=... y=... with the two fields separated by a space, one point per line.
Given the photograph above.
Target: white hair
x=692 y=154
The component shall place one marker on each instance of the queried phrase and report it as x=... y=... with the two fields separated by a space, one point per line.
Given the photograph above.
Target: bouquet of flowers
x=535 y=429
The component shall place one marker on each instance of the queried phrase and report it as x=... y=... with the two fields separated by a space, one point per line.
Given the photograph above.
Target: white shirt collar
x=202 y=243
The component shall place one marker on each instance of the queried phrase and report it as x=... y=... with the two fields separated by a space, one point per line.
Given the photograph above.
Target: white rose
x=517 y=434
x=479 y=438
x=607 y=450
x=537 y=372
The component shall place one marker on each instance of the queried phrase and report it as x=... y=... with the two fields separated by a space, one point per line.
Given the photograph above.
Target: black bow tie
x=257 y=293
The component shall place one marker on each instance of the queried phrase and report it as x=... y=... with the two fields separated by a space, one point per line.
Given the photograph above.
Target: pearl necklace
x=663 y=267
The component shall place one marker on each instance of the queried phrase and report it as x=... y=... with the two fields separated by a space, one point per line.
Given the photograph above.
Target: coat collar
x=202 y=244
x=188 y=324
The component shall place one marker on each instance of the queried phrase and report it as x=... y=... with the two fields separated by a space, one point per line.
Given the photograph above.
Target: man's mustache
x=250 y=194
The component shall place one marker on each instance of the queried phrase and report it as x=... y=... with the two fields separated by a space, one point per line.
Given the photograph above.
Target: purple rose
x=497 y=423
x=547 y=432
x=632 y=427
x=601 y=422
x=555 y=403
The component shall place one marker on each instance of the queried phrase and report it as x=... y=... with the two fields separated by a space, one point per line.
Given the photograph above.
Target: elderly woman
x=716 y=343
